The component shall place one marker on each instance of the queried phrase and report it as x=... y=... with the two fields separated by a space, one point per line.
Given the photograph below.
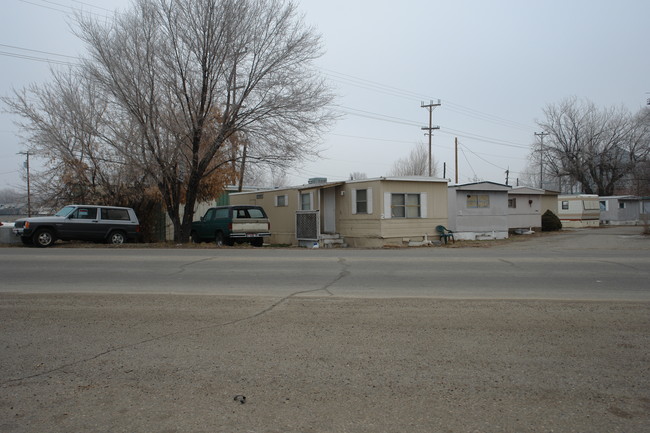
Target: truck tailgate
x=250 y=226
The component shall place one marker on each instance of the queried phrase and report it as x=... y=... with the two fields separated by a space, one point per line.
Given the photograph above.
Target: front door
x=82 y=224
x=329 y=210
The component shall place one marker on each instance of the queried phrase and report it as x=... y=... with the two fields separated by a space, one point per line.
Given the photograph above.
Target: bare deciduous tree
x=11 y=196
x=357 y=175
x=597 y=149
x=191 y=74
x=268 y=176
x=180 y=93
x=64 y=123
x=70 y=124
x=415 y=164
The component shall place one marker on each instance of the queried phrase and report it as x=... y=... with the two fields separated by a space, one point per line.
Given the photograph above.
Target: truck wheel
x=195 y=238
x=257 y=242
x=116 y=237
x=220 y=239
x=43 y=238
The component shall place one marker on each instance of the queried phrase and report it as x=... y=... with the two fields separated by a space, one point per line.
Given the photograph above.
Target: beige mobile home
x=579 y=210
x=549 y=201
x=359 y=213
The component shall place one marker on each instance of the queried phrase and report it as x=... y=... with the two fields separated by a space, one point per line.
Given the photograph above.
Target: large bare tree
x=190 y=75
x=598 y=149
x=64 y=123
x=179 y=94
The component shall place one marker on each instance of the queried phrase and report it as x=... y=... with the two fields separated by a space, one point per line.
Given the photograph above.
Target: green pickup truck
x=226 y=225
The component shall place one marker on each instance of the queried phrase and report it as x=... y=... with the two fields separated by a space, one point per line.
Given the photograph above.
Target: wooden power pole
x=430 y=106
x=456 y=159
x=541 y=136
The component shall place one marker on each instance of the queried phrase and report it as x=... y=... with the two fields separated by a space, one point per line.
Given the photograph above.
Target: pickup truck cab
x=110 y=224
x=226 y=225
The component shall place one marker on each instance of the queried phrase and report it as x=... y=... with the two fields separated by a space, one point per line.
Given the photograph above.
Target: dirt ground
x=165 y=363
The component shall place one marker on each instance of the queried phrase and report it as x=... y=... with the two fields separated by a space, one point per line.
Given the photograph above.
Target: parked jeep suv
x=114 y=225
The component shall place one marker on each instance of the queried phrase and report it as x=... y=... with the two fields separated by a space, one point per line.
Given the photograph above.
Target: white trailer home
x=578 y=210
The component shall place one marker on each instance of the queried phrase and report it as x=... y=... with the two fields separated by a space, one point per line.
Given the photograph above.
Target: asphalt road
x=548 y=334
x=587 y=265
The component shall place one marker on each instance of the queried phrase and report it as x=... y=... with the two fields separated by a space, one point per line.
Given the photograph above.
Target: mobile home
x=358 y=213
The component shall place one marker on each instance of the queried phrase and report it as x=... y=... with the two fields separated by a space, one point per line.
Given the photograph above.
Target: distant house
x=579 y=210
x=479 y=210
x=623 y=210
x=359 y=213
x=525 y=208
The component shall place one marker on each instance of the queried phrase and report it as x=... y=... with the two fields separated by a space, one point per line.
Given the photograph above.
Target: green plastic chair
x=445 y=234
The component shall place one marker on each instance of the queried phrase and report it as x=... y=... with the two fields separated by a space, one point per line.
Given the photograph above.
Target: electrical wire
x=35 y=58
x=468 y=163
x=407 y=94
x=70 y=7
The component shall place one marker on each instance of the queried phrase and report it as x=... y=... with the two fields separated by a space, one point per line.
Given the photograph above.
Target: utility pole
x=541 y=136
x=430 y=106
x=29 y=195
x=507 y=175
x=456 y=158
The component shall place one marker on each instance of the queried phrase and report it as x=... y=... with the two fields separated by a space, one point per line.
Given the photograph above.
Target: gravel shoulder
x=166 y=363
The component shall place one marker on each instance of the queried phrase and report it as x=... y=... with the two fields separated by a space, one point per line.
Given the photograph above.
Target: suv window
x=221 y=213
x=85 y=213
x=256 y=213
x=115 y=214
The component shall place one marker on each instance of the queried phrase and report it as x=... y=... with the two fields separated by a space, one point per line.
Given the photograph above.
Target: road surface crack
x=326 y=288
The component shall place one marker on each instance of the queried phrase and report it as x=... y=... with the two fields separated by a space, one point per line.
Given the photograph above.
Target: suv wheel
x=43 y=238
x=117 y=237
x=220 y=239
x=195 y=238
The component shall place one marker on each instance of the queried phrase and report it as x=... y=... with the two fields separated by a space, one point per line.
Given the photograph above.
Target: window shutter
x=354 y=201
x=369 y=198
x=423 y=205
x=387 y=204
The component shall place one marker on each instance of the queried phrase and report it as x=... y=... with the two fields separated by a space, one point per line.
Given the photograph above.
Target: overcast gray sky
x=493 y=64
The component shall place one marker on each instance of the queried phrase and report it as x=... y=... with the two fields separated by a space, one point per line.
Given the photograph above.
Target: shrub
x=550 y=222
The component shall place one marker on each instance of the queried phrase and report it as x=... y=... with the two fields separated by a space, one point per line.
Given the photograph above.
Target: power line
x=483 y=138
x=38 y=59
x=43 y=6
x=450 y=105
x=387 y=140
x=70 y=7
x=468 y=163
x=38 y=51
